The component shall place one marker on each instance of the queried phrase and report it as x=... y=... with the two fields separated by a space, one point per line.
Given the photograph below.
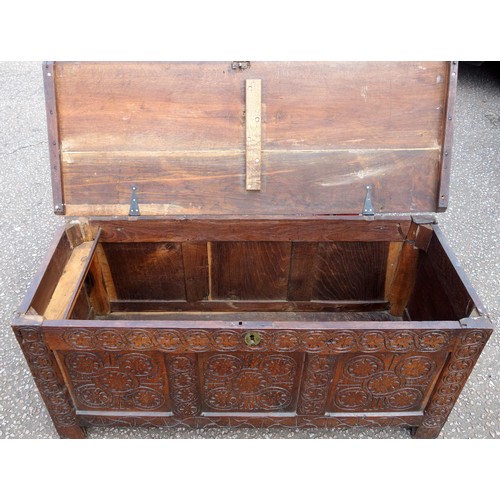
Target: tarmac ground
x=27 y=224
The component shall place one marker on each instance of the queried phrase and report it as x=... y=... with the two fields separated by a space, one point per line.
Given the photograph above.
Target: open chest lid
x=249 y=138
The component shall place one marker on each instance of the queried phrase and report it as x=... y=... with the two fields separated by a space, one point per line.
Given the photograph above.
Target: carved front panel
x=384 y=382
x=242 y=382
x=111 y=381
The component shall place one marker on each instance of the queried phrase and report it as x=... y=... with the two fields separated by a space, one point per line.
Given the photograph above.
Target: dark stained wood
x=250 y=270
x=248 y=305
x=439 y=291
x=82 y=308
x=331 y=126
x=302 y=268
x=447 y=141
x=350 y=271
x=429 y=298
x=324 y=228
x=54 y=140
x=146 y=271
x=236 y=317
x=400 y=289
x=195 y=260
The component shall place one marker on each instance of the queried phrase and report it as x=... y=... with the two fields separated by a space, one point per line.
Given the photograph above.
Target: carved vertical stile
x=46 y=374
x=316 y=382
x=451 y=382
x=184 y=385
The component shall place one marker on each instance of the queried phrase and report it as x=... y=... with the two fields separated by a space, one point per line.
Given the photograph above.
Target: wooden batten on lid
x=259 y=138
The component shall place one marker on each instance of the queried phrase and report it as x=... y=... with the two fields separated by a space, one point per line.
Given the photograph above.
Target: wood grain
x=195 y=263
x=146 y=270
x=69 y=279
x=327 y=129
x=250 y=270
x=350 y=271
x=299 y=229
x=301 y=182
x=249 y=305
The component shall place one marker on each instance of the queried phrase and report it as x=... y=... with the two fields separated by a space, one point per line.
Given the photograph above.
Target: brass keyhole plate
x=252 y=339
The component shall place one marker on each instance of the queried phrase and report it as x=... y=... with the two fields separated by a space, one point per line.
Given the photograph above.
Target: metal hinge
x=134 y=205
x=241 y=65
x=368 y=205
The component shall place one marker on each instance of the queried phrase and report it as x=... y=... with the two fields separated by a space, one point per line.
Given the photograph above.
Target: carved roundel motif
x=274 y=399
x=285 y=341
x=400 y=341
x=415 y=367
x=94 y=396
x=84 y=363
x=226 y=340
x=109 y=339
x=224 y=366
x=36 y=348
x=475 y=337
x=341 y=341
x=78 y=339
x=140 y=339
x=363 y=366
x=314 y=341
x=138 y=364
x=116 y=381
x=249 y=382
x=404 y=398
x=371 y=341
x=352 y=398
x=222 y=399
x=181 y=363
x=198 y=340
x=383 y=383
x=168 y=340
x=147 y=398
x=278 y=366
x=432 y=341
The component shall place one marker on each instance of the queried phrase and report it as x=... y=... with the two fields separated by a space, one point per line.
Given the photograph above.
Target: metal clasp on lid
x=134 y=205
x=368 y=205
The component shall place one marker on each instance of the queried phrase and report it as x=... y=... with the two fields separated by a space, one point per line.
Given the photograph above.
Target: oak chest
x=250 y=244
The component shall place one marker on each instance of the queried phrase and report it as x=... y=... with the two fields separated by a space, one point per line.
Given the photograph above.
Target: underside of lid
x=258 y=138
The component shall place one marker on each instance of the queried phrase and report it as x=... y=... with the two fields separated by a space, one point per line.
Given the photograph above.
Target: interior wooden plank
x=306 y=229
x=147 y=270
x=68 y=281
x=252 y=316
x=248 y=305
x=392 y=264
x=195 y=261
x=47 y=278
x=250 y=270
x=350 y=270
x=302 y=265
x=406 y=272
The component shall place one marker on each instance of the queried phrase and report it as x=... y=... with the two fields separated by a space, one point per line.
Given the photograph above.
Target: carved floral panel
x=103 y=381
x=250 y=382
x=384 y=382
